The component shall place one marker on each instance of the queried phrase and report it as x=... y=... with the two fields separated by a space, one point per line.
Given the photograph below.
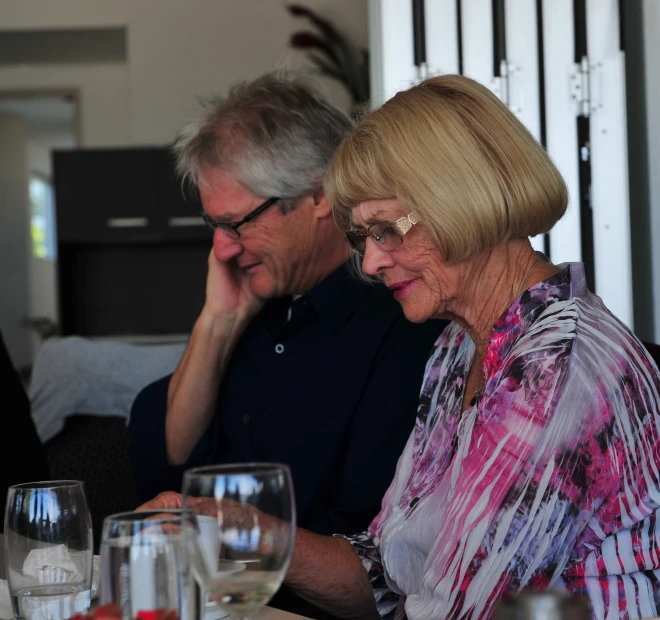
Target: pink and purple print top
x=551 y=479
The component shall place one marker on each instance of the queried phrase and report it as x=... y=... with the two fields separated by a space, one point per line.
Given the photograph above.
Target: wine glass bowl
x=48 y=549
x=252 y=509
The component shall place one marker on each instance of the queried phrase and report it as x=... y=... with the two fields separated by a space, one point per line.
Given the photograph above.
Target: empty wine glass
x=148 y=559
x=48 y=549
x=251 y=508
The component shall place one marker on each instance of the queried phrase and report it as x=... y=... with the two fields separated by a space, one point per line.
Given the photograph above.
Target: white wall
x=14 y=231
x=34 y=14
x=104 y=96
x=38 y=156
x=103 y=89
x=177 y=50
x=203 y=46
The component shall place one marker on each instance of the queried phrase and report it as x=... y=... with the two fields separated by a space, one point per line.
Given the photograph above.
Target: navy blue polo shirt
x=328 y=384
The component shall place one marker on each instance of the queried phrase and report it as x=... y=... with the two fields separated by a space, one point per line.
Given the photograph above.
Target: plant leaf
x=304 y=39
x=325 y=26
x=325 y=68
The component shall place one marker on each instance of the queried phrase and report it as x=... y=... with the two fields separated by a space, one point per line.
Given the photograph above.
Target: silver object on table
x=546 y=605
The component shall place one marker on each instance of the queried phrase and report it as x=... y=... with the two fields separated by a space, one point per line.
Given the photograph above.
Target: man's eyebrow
x=221 y=219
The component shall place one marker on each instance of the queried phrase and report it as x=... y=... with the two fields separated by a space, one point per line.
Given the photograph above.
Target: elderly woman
x=534 y=460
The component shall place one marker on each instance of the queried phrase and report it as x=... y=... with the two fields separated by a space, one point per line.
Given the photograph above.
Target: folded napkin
x=48 y=565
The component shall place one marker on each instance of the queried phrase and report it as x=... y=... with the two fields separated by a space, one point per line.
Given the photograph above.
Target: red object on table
x=112 y=611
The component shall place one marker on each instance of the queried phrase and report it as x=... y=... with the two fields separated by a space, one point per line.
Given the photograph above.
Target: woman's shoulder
x=581 y=332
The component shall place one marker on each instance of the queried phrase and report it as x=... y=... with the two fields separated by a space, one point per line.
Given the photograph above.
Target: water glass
x=251 y=508
x=48 y=549
x=148 y=562
x=543 y=605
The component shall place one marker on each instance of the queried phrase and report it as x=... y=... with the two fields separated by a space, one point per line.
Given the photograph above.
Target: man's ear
x=322 y=206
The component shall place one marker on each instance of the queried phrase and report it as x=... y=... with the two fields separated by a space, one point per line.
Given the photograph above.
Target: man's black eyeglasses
x=231 y=230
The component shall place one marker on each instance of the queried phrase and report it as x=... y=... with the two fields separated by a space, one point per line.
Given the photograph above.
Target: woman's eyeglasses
x=387 y=235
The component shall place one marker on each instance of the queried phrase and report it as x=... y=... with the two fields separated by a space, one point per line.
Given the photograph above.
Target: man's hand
x=228 y=291
x=170 y=499
x=162 y=501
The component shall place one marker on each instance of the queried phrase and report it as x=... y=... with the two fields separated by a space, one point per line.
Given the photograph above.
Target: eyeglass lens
x=383 y=234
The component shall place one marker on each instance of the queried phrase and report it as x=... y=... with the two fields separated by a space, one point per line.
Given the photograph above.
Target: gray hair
x=276 y=133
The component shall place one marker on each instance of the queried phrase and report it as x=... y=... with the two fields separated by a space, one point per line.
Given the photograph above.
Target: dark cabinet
x=177 y=203
x=105 y=195
x=132 y=245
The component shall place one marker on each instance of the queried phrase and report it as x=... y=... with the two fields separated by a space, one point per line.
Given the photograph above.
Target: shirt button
x=279 y=348
x=246 y=418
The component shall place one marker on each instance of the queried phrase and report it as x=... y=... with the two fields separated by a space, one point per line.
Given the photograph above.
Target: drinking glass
x=48 y=549
x=148 y=559
x=252 y=509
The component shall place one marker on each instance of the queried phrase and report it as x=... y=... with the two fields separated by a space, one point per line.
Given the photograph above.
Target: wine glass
x=252 y=510
x=48 y=549
x=148 y=559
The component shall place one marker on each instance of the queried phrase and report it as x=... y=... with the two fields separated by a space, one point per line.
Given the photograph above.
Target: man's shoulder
x=379 y=304
x=367 y=307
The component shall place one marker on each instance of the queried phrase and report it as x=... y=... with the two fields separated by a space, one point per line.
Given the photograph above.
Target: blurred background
x=93 y=74
x=96 y=238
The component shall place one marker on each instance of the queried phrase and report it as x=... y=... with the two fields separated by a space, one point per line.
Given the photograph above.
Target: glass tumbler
x=148 y=563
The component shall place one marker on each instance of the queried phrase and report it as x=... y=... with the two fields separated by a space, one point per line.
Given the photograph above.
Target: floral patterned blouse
x=550 y=479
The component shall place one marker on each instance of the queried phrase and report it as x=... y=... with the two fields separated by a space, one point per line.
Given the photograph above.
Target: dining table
x=267 y=613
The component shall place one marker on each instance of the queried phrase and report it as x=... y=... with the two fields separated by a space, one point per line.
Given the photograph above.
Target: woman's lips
x=400 y=289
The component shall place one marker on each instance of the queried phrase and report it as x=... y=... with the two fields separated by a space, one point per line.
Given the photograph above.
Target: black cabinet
x=132 y=247
x=178 y=205
x=105 y=195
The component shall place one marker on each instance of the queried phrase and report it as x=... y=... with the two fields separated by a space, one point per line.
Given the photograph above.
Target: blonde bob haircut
x=452 y=153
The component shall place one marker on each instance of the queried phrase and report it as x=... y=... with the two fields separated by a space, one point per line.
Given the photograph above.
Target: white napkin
x=54 y=563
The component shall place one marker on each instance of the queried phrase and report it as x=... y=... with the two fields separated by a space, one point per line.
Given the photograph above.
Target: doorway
x=32 y=125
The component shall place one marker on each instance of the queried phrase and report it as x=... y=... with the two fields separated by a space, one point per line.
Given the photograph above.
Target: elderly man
x=292 y=358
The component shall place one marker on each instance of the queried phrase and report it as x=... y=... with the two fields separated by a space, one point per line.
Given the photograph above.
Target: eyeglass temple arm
x=260 y=210
x=403 y=225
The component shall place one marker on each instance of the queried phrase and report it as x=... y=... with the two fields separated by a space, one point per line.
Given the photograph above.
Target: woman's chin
x=414 y=314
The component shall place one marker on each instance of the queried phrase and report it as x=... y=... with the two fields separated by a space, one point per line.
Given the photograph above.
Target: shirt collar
x=569 y=282
x=335 y=298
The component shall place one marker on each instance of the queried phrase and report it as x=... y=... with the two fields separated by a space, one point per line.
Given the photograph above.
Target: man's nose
x=224 y=247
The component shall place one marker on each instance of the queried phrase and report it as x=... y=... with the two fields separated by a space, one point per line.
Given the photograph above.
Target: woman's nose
x=375 y=258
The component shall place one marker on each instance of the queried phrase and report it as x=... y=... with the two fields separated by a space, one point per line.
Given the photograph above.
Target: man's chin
x=262 y=286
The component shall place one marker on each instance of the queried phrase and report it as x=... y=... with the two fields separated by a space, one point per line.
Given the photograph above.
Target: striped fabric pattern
x=550 y=480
